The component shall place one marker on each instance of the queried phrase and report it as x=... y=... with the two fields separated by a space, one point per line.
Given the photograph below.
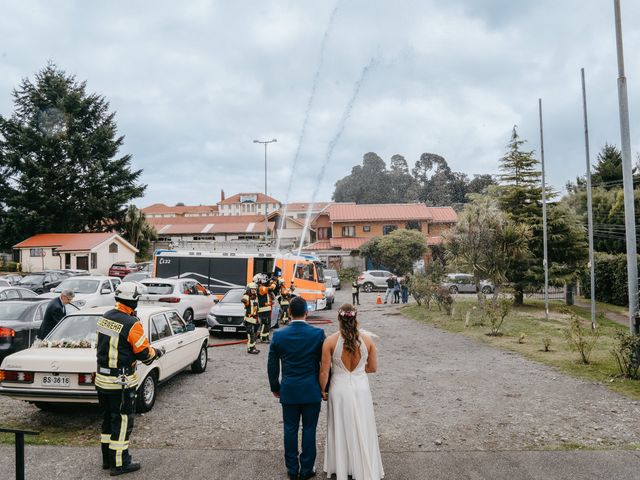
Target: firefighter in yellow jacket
x=265 y=300
x=121 y=343
x=251 y=320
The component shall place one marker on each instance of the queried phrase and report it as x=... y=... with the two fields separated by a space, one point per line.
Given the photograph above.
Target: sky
x=194 y=83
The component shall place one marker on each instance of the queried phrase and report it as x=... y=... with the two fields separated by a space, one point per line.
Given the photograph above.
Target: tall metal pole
x=545 y=261
x=627 y=177
x=265 y=171
x=266 y=222
x=592 y=266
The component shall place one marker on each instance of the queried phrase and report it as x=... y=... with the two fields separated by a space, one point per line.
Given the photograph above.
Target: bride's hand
x=325 y=395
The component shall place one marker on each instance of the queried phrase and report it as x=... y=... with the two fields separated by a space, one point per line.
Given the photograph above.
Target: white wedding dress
x=352 y=439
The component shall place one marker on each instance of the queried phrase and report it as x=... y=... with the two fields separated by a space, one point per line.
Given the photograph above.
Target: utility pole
x=592 y=267
x=627 y=177
x=545 y=261
x=265 y=143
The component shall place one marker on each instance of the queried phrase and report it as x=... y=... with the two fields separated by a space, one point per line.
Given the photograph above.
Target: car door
x=187 y=344
x=105 y=299
x=204 y=302
x=189 y=294
x=161 y=336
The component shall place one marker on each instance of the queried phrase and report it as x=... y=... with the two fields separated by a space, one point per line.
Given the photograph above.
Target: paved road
x=446 y=407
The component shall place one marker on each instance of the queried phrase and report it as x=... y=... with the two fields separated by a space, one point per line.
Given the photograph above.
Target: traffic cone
x=379 y=300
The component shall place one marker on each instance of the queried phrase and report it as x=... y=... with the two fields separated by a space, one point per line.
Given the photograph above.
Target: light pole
x=265 y=143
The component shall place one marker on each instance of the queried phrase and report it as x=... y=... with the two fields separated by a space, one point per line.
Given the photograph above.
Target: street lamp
x=265 y=143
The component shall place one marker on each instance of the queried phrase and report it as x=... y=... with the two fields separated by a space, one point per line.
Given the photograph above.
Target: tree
x=607 y=172
x=59 y=160
x=397 y=251
x=138 y=232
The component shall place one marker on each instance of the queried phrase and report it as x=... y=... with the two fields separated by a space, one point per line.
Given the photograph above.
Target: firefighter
x=265 y=300
x=121 y=343
x=250 y=302
x=285 y=300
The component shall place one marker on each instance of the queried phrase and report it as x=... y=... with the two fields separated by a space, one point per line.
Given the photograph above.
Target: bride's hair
x=347 y=316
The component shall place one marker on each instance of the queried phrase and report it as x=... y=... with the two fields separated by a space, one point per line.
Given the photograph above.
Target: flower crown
x=347 y=313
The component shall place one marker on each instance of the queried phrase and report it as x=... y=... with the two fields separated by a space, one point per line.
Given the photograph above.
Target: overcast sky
x=193 y=83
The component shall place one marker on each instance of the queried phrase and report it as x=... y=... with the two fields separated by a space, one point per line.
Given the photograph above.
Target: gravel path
x=434 y=391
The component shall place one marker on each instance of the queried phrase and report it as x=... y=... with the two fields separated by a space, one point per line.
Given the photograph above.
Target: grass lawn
x=530 y=321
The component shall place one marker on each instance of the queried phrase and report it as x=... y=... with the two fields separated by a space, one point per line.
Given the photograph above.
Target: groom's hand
x=276 y=394
x=325 y=395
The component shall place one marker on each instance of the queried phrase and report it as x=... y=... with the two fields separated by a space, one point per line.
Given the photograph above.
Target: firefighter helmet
x=260 y=278
x=128 y=293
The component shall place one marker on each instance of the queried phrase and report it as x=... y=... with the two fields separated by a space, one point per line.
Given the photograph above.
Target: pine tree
x=60 y=153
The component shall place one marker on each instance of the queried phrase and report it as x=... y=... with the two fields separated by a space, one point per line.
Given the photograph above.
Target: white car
x=227 y=315
x=91 y=291
x=65 y=373
x=16 y=293
x=186 y=295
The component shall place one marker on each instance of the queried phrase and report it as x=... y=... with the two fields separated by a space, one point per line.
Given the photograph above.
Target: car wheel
x=45 y=406
x=453 y=289
x=368 y=287
x=147 y=393
x=487 y=290
x=200 y=365
x=188 y=316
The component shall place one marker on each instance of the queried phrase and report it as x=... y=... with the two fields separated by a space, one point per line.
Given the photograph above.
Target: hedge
x=611 y=279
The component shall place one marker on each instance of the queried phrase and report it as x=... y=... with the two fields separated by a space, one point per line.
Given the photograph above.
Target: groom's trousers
x=303 y=462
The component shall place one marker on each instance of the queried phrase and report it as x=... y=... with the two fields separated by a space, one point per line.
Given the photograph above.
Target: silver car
x=371 y=280
x=329 y=293
x=333 y=275
x=227 y=315
x=464 y=283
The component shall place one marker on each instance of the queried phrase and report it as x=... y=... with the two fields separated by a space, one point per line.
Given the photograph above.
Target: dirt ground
x=434 y=391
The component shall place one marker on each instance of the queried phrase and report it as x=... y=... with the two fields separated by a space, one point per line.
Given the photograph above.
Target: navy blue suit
x=298 y=347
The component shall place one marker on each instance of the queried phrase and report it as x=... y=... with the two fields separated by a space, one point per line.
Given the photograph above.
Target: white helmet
x=260 y=278
x=130 y=291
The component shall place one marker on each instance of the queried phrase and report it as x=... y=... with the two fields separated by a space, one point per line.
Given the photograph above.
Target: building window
x=36 y=252
x=113 y=248
x=324 y=233
x=349 y=231
x=387 y=229
x=55 y=253
x=366 y=228
x=413 y=225
x=94 y=259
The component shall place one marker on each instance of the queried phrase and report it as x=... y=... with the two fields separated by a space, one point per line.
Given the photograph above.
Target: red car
x=122 y=269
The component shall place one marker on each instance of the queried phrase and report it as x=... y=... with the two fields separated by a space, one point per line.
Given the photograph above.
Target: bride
x=352 y=440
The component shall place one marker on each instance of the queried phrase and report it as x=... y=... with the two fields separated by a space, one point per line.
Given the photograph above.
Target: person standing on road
x=404 y=293
x=355 y=293
x=391 y=281
x=265 y=292
x=296 y=352
x=121 y=343
x=251 y=320
x=396 y=291
x=55 y=312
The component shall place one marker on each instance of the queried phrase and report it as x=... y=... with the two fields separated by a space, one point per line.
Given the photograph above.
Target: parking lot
x=434 y=392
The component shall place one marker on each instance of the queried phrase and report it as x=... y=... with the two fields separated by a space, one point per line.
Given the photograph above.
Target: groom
x=298 y=347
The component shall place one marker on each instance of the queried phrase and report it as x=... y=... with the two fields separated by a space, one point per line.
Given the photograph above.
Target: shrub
x=422 y=289
x=611 y=279
x=496 y=312
x=546 y=344
x=9 y=266
x=626 y=351
x=444 y=299
x=348 y=275
x=581 y=338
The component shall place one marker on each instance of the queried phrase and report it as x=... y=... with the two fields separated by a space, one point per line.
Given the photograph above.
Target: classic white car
x=61 y=369
x=191 y=299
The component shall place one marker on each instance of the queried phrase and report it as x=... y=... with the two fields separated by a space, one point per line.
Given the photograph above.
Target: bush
x=496 y=312
x=546 y=344
x=444 y=299
x=611 y=279
x=422 y=289
x=9 y=266
x=580 y=338
x=348 y=275
x=626 y=351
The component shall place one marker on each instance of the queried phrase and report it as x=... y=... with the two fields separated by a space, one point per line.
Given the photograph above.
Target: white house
x=94 y=252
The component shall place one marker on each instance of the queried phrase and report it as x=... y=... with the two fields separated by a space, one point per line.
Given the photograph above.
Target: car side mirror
x=190 y=327
x=52 y=289
x=216 y=300
x=105 y=291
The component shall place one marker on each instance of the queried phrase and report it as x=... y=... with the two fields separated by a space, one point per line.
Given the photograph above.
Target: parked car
x=71 y=272
x=121 y=269
x=91 y=291
x=333 y=275
x=464 y=283
x=4 y=283
x=227 y=315
x=20 y=321
x=189 y=297
x=42 y=282
x=329 y=292
x=136 y=276
x=16 y=293
x=371 y=280
x=13 y=279
x=44 y=374
x=145 y=267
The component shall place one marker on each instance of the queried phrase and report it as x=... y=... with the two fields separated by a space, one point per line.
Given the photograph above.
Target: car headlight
x=80 y=303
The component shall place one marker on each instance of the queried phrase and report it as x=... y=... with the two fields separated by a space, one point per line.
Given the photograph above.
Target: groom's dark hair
x=297 y=307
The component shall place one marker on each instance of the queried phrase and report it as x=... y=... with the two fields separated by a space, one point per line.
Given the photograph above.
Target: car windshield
x=232 y=296
x=158 y=288
x=12 y=311
x=32 y=279
x=76 y=328
x=78 y=285
x=330 y=273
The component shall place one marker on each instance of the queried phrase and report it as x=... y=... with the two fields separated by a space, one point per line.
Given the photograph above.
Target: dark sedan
x=42 y=282
x=19 y=323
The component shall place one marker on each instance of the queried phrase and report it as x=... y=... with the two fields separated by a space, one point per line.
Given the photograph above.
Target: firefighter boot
x=253 y=351
x=106 y=460
x=128 y=468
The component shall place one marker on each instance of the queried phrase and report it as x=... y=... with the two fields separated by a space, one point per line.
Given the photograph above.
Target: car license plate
x=56 y=381
x=228 y=329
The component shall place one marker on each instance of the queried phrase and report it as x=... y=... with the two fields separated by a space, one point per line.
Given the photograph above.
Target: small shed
x=94 y=252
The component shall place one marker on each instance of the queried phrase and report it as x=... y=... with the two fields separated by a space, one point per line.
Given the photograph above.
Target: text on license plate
x=228 y=329
x=56 y=380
